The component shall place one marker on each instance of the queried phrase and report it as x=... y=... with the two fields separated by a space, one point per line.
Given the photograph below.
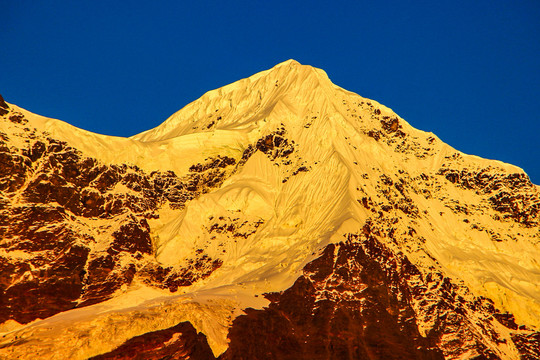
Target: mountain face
x=278 y=217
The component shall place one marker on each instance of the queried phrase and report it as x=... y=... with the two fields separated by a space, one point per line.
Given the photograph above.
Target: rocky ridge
x=79 y=229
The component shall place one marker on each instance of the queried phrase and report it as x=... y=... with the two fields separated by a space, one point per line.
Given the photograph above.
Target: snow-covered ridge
x=244 y=104
x=223 y=119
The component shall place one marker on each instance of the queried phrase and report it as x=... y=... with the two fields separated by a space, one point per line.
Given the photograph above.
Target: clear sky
x=469 y=71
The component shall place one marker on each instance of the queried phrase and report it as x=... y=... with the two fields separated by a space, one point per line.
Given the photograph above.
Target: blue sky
x=469 y=71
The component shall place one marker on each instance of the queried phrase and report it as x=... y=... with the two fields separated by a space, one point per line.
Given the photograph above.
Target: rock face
x=78 y=229
x=279 y=217
x=179 y=342
x=345 y=306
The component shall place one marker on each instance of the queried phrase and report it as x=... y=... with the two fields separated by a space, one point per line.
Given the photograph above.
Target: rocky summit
x=278 y=217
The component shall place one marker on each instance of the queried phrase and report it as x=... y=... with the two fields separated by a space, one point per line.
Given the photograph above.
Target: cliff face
x=77 y=230
x=279 y=217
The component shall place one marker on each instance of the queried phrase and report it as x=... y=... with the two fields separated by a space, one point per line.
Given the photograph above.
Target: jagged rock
x=4 y=108
x=178 y=342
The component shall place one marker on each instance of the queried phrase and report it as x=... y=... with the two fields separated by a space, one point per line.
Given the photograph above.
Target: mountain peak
x=293 y=67
x=247 y=100
x=290 y=62
x=310 y=205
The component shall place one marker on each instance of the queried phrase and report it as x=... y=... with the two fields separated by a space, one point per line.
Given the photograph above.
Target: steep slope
x=74 y=230
x=345 y=231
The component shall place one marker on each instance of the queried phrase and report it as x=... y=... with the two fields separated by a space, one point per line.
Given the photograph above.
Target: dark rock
x=132 y=237
x=275 y=145
x=18 y=118
x=317 y=318
x=13 y=171
x=507 y=320
x=3 y=103
x=513 y=195
x=528 y=345
x=213 y=163
x=107 y=180
x=46 y=292
x=390 y=124
x=178 y=342
x=374 y=134
x=300 y=169
x=4 y=107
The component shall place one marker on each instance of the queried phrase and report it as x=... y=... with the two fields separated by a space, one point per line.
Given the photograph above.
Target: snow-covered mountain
x=278 y=217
